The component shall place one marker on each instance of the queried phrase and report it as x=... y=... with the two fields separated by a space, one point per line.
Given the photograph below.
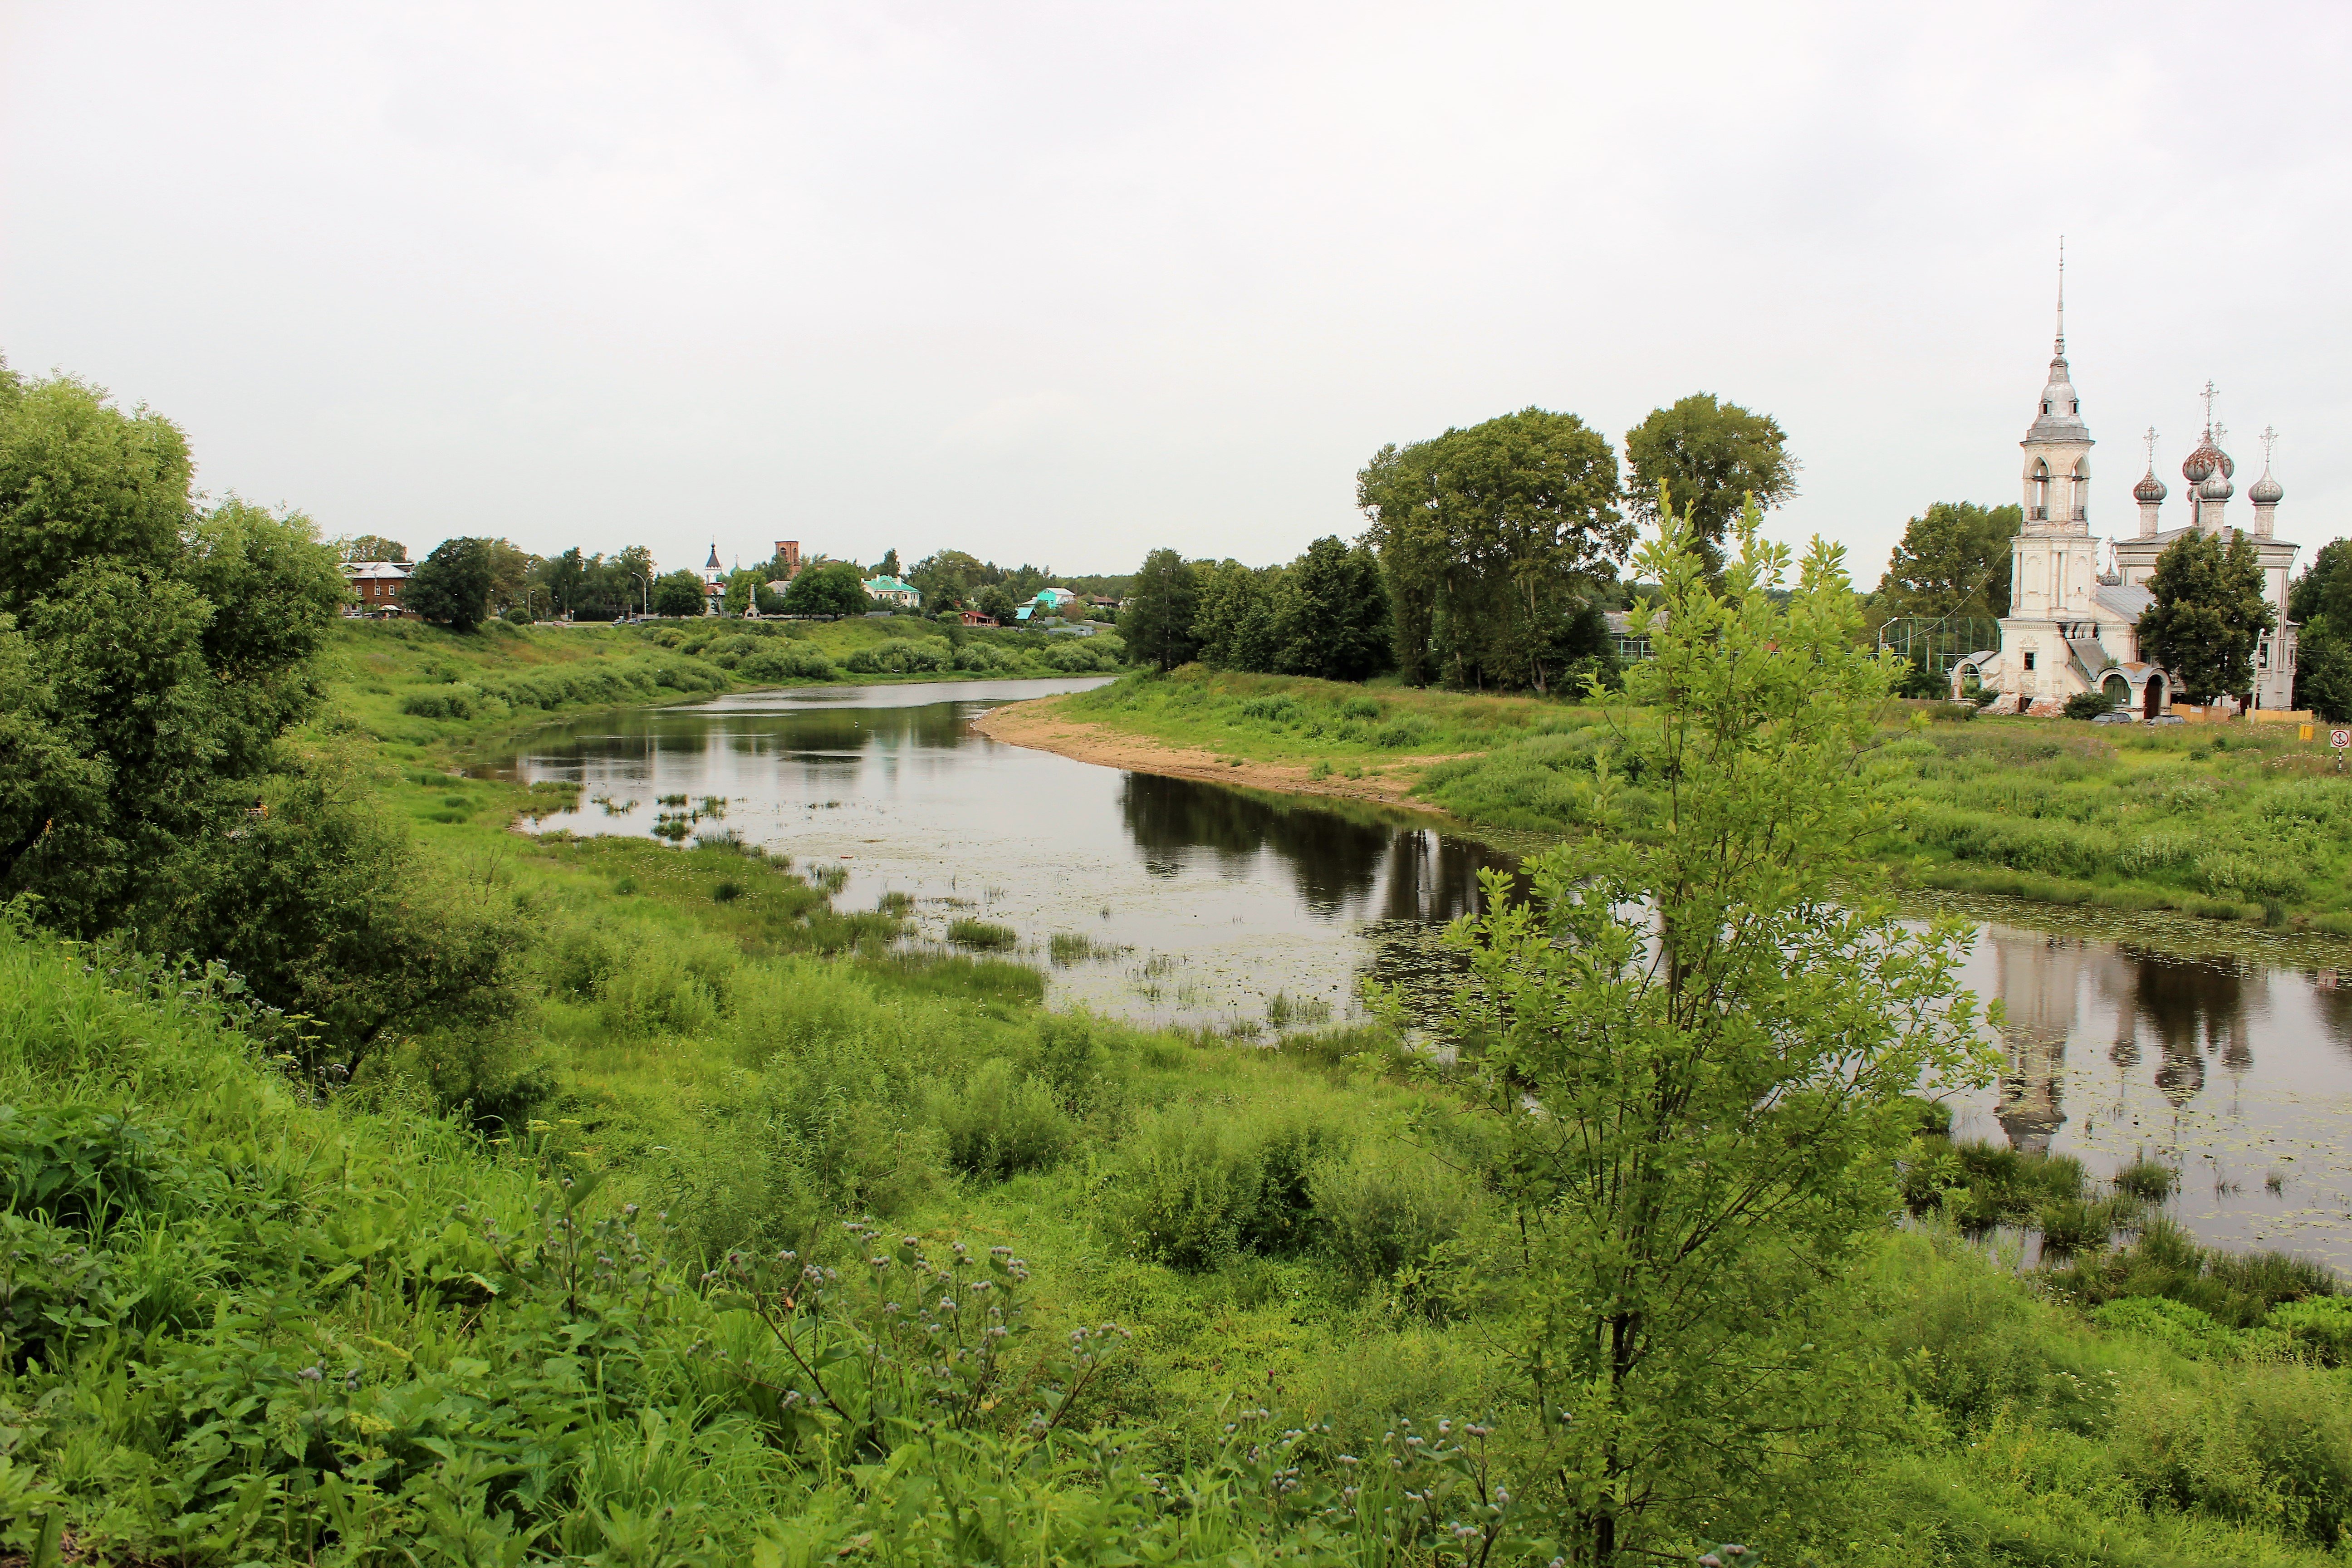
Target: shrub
x=1188 y=1186
x=2321 y=1327
x=1001 y=1124
x=2089 y=705
x=1383 y=1209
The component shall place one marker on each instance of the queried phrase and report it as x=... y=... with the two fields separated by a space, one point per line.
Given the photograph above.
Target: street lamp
x=647 y=584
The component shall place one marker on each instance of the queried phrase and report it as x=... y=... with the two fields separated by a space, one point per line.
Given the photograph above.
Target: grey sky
x=1063 y=283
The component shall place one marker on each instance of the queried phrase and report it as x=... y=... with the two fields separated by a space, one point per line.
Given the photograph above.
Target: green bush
x=1001 y=1124
x=2271 y=1447
x=1187 y=1187
x=1386 y=1207
x=2089 y=705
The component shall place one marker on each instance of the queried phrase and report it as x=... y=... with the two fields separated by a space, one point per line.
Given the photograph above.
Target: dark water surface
x=1192 y=904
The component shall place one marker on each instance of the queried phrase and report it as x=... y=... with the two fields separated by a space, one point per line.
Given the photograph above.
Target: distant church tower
x=714 y=582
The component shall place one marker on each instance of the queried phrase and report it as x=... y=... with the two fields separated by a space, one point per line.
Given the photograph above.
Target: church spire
x=2059 y=350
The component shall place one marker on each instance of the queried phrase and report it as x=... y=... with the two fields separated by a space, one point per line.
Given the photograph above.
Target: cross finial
x=2150 y=438
x=2269 y=439
x=2211 y=392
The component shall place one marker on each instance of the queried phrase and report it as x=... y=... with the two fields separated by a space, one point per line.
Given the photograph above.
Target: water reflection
x=2235 y=1070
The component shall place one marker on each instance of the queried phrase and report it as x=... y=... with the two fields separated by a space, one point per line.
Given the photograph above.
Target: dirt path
x=1039 y=724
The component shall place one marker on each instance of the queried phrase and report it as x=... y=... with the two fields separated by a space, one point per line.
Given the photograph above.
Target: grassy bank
x=419 y=687
x=246 y=1326
x=2241 y=822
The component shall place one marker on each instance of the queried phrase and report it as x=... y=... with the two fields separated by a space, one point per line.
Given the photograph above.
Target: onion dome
x=2216 y=487
x=2266 y=491
x=2150 y=490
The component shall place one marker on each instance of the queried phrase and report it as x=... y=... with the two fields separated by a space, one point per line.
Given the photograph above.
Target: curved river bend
x=1175 y=903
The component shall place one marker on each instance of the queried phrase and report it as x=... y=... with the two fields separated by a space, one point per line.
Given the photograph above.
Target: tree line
x=467 y=581
x=1490 y=556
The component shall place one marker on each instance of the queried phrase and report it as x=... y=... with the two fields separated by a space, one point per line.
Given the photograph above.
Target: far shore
x=1039 y=724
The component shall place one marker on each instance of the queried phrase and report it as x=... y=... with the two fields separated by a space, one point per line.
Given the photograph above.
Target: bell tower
x=2055 y=561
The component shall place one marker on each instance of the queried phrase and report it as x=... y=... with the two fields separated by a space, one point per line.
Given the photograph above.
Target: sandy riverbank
x=1040 y=725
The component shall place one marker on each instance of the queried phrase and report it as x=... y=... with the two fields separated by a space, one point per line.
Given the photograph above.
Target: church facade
x=2072 y=625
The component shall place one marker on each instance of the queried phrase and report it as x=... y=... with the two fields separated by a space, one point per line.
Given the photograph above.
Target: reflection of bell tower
x=2038 y=977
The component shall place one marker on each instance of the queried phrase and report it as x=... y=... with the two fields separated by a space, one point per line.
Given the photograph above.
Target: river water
x=1180 y=903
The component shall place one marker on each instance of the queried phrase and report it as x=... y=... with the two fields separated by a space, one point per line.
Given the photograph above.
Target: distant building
x=714 y=582
x=891 y=591
x=1629 y=648
x=788 y=556
x=377 y=584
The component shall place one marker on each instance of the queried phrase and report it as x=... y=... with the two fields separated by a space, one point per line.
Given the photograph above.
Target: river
x=1174 y=902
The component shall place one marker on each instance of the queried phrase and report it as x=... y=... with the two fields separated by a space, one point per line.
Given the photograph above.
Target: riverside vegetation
x=462 y=1197
x=2246 y=822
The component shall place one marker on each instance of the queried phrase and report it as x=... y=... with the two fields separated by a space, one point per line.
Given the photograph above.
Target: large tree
x=1954 y=560
x=835 y=588
x=2208 y=614
x=1711 y=457
x=1695 y=1044
x=1160 y=612
x=1233 y=617
x=1487 y=535
x=678 y=594
x=2320 y=603
x=452 y=585
x=150 y=652
x=1331 y=613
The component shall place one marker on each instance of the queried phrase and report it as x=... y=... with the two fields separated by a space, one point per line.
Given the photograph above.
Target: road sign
x=2303 y=732
x=2339 y=739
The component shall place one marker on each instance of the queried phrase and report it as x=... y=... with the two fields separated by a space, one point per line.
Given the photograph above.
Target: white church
x=2072 y=627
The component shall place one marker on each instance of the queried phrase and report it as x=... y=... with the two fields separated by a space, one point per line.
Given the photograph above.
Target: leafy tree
x=2320 y=603
x=1160 y=617
x=371 y=547
x=1720 y=1027
x=1954 y=560
x=678 y=594
x=1234 y=617
x=1332 y=614
x=511 y=575
x=452 y=585
x=888 y=565
x=2209 y=613
x=1710 y=456
x=147 y=667
x=835 y=588
x=993 y=602
x=1486 y=535
x=949 y=579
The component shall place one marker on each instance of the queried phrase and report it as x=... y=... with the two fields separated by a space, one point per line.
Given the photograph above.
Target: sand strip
x=1038 y=724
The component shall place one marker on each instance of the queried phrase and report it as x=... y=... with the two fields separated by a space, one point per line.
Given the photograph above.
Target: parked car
x=2168 y=719
x=2117 y=716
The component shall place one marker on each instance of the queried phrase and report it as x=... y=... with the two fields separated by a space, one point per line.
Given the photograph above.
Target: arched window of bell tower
x=2081 y=489
x=2041 y=491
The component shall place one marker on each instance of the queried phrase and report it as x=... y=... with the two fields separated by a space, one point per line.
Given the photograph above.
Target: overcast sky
x=1064 y=283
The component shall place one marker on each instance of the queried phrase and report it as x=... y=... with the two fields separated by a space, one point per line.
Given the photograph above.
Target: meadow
x=785 y=1241
x=2238 y=822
